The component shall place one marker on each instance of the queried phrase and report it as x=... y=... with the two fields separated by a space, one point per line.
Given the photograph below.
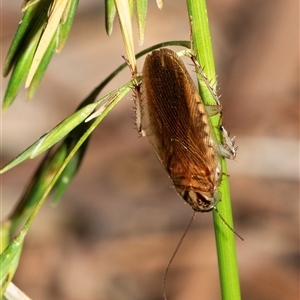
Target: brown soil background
x=114 y=231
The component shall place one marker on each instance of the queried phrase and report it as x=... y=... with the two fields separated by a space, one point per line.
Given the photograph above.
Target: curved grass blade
x=52 y=137
x=58 y=132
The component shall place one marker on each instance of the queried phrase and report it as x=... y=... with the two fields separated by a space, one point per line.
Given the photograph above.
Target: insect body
x=171 y=113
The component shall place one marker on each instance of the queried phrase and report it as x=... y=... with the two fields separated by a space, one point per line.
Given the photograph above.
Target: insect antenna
x=224 y=221
x=174 y=254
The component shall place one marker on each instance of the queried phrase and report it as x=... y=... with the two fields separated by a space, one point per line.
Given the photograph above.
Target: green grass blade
x=56 y=44
x=19 y=73
x=110 y=14
x=141 y=13
x=43 y=30
x=38 y=76
x=37 y=186
x=51 y=138
x=62 y=129
x=33 y=19
x=9 y=260
x=65 y=26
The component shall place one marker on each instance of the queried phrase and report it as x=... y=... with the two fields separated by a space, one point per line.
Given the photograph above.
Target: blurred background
x=113 y=233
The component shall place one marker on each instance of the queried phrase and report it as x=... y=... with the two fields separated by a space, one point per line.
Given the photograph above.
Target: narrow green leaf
x=62 y=129
x=57 y=44
x=23 y=47
x=69 y=172
x=19 y=73
x=21 y=157
x=4 y=234
x=55 y=14
x=141 y=12
x=49 y=139
x=38 y=76
x=37 y=186
x=131 y=4
x=124 y=14
x=110 y=14
x=9 y=260
x=31 y=23
x=43 y=29
x=65 y=27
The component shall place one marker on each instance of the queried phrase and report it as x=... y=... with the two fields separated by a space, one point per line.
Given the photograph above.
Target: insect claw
x=225 y=174
x=229 y=149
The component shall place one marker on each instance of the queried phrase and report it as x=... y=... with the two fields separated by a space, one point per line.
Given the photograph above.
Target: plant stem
x=225 y=238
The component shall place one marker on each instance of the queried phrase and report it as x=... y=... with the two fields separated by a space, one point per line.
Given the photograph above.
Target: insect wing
x=177 y=125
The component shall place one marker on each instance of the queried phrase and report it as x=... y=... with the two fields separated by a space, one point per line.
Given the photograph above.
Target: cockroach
x=171 y=113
